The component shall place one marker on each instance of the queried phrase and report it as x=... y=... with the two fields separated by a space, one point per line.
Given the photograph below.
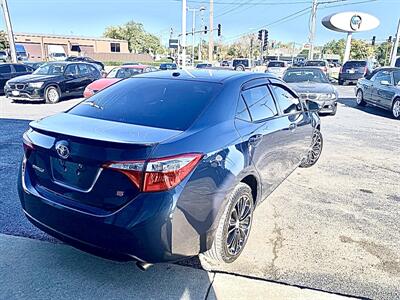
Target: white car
x=277 y=67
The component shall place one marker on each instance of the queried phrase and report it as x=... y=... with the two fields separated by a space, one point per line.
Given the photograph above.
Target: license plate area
x=74 y=175
x=15 y=93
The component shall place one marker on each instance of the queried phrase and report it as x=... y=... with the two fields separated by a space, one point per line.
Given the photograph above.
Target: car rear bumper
x=153 y=227
x=350 y=77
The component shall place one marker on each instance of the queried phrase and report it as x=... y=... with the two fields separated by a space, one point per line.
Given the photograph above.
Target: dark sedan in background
x=311 y=83
x=382 y=89
x=87 y=59
x=9 y=71
x=52 y=81
x=166 y=165
x=352 y=70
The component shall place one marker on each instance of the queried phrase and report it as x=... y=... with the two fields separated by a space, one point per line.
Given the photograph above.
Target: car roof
x=207 y=75
x=134 y=66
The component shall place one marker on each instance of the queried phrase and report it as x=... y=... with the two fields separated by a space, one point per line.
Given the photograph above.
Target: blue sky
x=90 y=17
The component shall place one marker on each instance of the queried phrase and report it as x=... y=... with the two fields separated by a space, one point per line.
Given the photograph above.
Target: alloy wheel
x=396 y=109
x=239 y=225
x=52 y=95
x=315 y=149
x=359 y=97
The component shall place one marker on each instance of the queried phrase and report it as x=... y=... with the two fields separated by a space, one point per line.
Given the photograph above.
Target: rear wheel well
x=319 y=127
x=251 y=181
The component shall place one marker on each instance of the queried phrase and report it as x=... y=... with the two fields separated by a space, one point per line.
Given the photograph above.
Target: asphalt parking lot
x=334 y=227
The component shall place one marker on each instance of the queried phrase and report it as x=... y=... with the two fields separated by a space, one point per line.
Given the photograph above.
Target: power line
x=232 y=9
x=280 y=20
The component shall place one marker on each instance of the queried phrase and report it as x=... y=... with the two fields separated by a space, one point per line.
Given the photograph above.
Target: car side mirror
x=384 y=82
x=312 y=105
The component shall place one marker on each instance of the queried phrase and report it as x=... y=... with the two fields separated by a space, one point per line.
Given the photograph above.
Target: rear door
x=72 y=81
x=266 y=134
x=5 y=75
x=21 y=70
x=382 y=90
x=85 y=76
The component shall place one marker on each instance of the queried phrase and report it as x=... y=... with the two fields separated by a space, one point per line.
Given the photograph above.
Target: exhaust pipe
x=143 y=266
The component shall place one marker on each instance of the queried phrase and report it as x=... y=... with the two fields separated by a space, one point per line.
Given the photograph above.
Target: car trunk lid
x=70 y=153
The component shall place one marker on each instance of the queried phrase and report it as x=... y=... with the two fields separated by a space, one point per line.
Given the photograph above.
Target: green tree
x=139 y=41
x=359 y=49
x=3 y=40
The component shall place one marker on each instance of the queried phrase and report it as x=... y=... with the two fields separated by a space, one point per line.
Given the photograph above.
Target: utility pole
x=395 y=46
x=183 y=36
x=312 y=24
x=211 y=34
x=10 y=32
x=193 y=10
x=202 y=9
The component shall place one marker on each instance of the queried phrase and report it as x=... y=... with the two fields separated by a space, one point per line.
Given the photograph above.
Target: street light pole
x=201 y=33
x=193 y=10
x=10 y=33
x=395 y=46
x=211 y=33
x=183 y=36
x=311 y=36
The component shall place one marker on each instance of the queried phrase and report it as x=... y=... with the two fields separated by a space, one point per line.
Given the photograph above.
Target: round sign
x=350 y=22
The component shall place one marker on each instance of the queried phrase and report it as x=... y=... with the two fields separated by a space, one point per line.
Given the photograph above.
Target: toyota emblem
x=62 y=149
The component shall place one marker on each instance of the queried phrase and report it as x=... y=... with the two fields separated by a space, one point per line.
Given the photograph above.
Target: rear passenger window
x=260 y=103
x=288 y=102
x=5 y=69
x=83 y=69
x=20 y=68
x=242 y=111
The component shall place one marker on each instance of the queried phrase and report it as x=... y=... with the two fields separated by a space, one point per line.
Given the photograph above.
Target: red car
x=113 y=76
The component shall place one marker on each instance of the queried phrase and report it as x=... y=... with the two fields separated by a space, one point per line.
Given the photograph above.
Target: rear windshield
x=277 y=64
x=123 y=72
x=161 y=103
x=355 y=64
x=305 y=75
x=315 y=63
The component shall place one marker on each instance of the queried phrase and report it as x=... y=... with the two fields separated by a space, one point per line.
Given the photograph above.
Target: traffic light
x=219 y=29
x=265 y=44
x=390 y=39
x=205 y=29
x=373 y=41
x=260 y=35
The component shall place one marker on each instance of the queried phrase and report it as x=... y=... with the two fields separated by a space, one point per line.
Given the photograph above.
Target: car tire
x=231 y=236
x=396 y=108
x=360 y=98
x=52 y=94
x=333 y=113
x=314 y=151
x=239 y=68
x=340 y=82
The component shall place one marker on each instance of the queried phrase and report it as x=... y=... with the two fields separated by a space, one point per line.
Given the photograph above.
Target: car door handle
x=292 y=126
x=255 y=139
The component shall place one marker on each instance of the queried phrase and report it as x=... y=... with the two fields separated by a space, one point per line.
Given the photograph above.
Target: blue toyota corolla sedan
x=166 y=165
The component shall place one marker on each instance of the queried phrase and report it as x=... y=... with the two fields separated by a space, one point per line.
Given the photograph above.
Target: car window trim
x=280 y=111
x=256 y=83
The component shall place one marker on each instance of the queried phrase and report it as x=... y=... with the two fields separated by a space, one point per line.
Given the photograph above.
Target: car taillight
x=28 y=145
x=159 y=174
x=166 y=173
x=132 y=169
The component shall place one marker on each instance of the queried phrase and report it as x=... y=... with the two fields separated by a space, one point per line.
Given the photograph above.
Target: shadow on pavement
x=351 y=102
x=43 y=270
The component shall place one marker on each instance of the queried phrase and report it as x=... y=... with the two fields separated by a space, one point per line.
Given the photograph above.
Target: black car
x=86 y=59
x=203 y=65
x=52 y=81
x=8 y=71
x=33 y=64
x=353 y=70
x=168 y=66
